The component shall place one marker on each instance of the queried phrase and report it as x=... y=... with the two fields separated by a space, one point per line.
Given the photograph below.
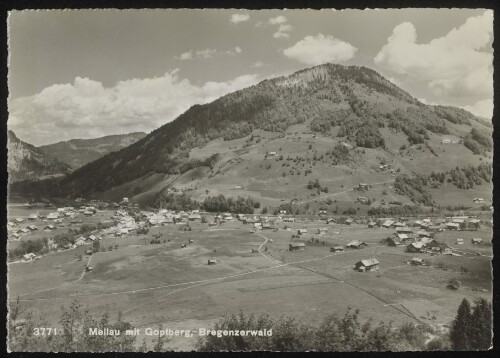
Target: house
x=362 y=199
x=25 y=231
x=212 y=223
x=423 y=233
x=322 y=230
x=283 y=212
x=399 y=224
x=29 y=257
x=336 y=249
x=404 y=230
x=80 y=241
x=476 y=241
x=452 y=226
x=33 y=217
x=434 y=228
x=416 y=261
x=478 y=200
x=363 y=186
x=14 y=236
x=322 y=212
x=271 y=154
x=367 y=265
x=356 y=244
x=257 y=226
x=302 y=231
x=387 y=224
x=403 y=237
x=32 y=227
x=266 y=226
x=350 y=221
x=289 y=219
x=460 y=241
x=156 y=219
x=295 y=246
x=168 y=220
x=331 y=220
x=49 y=227
x=415 y=247
x=194 y=217
x=446 y=141
x=88 y=252
x=372 y=224
x=18 y=220
x=53 y=216
x=212 y=261
x=393 y=241
x=459 y=221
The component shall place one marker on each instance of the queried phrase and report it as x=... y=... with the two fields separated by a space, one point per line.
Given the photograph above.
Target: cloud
x=278 y=20
x=283 y=31
x=207 y=53
x=87 y=109
x=483 y=108
x=185 y=56
x=258 y=64
x=458 y=64
x=237 y=18
x=315 y=50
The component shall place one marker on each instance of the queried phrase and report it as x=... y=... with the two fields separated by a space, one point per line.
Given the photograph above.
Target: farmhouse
x=336 y=249
x=362 y=200
x=415 y=247
x=356 y=244
x=33 y=217
x=18 y=220
x=367 y=265
x=404 y=230
x=452 y=226
x=289 y=219
x=212 y=261
x=477 y=241
x=478 y=200
x=363 y=186
x=80 y=241
x=322 y=230
x=257 y=226
x=423 y=233
x=283 y=212
x=416 y=261
x=350 y=221
x=32 y=227
x=460 y=241
x=49 y=227
x=156 y=219
x=267 y=226
x=393 y=241
x=387 y=224
x=302 y=231
x=294 y=246
x=331 y=220
x=29 y=257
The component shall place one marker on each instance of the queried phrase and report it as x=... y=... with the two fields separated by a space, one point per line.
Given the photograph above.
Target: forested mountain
x=78 y=152
x=341 y=104
x=25 y=161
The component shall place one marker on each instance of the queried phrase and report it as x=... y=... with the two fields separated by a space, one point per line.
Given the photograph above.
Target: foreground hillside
x=78 y=152
x=343 y=125
x=25 y=161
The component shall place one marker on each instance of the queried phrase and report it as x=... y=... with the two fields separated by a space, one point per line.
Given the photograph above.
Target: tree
x=460 y=331
x=481 y=325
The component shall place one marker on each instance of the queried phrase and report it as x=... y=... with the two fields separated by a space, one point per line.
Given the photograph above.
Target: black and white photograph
x=250 y=180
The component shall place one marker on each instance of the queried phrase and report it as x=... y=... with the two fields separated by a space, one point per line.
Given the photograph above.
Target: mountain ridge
x=338 y=104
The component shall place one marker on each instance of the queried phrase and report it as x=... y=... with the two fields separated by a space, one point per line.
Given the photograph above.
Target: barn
x=367 y=265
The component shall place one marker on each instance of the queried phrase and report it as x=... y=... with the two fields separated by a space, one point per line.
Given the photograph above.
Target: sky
x=90 y=73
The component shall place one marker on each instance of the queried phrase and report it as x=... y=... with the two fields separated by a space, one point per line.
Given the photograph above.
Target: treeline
x=220 y=203
x=414 y=187
x=177 y=202
x=472 y=327
x=345 y=334
x=478 y=142
x=399 y=210
x=466 y=178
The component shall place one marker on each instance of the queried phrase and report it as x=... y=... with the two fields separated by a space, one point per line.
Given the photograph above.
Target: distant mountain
x=78 y=152
x=338 y=124
x=25 y=161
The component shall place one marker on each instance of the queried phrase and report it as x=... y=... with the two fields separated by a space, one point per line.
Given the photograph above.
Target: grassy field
x=165 y=284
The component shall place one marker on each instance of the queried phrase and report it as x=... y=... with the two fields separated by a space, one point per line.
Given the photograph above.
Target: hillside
x=78 y=152
x=25 y=161
x=338 y=124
